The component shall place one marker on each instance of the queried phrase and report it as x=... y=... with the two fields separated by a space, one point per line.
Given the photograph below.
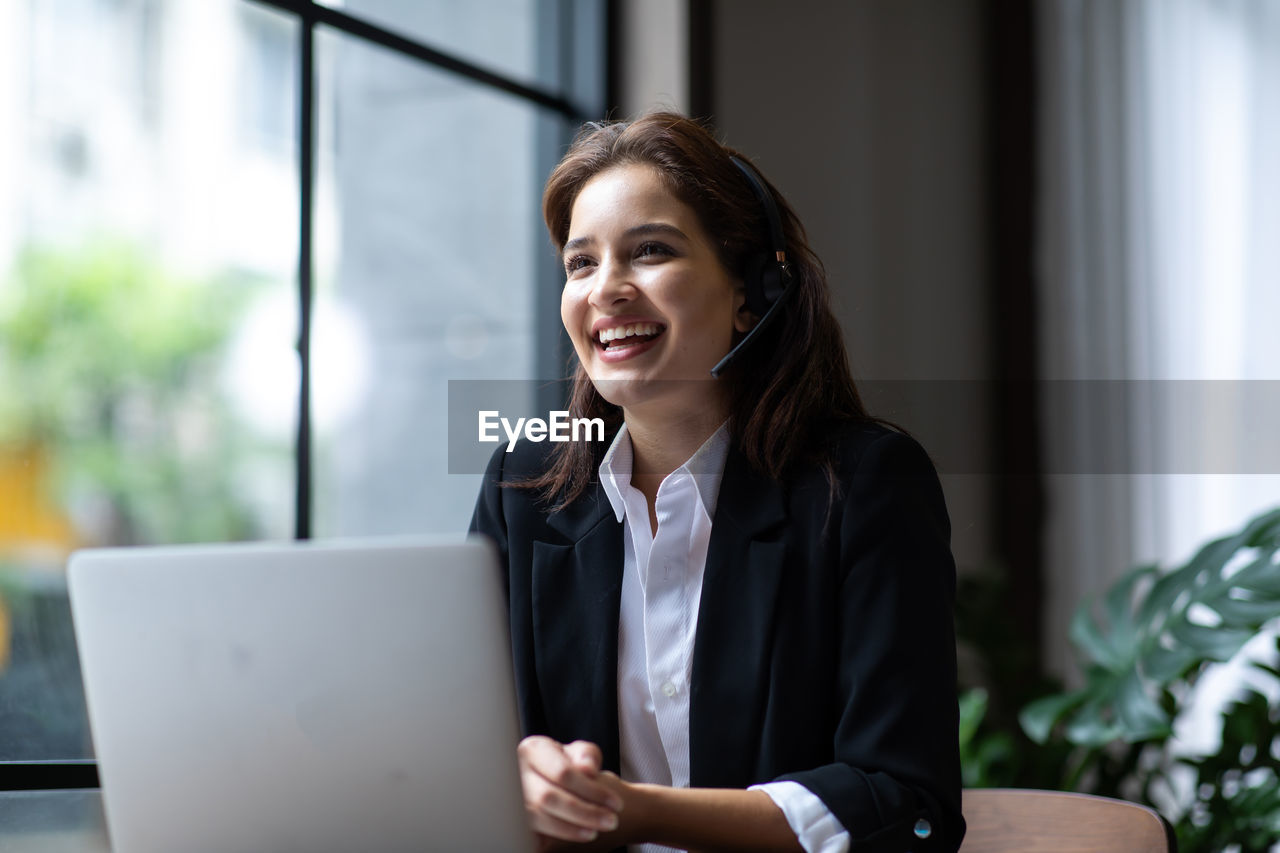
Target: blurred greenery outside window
x=113 y=430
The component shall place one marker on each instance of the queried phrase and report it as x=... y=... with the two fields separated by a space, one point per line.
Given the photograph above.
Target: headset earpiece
x=764 y=280
x=766 y=276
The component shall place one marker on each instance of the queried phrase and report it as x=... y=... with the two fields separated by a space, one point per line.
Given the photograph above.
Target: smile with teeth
x=629 y=335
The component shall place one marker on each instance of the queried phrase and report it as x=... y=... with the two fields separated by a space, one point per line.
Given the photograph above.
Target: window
x=1160 y=271
x=164 y=216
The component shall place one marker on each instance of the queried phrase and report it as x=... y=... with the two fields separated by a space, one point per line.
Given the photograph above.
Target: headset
x=767 y=276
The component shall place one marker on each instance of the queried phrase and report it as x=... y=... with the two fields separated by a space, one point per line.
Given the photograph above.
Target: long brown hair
x=788 y=389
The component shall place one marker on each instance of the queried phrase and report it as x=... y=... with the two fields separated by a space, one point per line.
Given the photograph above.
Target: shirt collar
x=705 y=466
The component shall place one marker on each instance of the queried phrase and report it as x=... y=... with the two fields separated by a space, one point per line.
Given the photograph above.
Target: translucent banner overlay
x=1114 y=427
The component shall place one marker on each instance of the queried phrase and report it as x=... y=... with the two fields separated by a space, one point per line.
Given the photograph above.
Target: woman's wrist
x=640 y=803
x=702 y=818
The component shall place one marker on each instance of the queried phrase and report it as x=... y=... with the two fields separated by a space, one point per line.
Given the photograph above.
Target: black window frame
x=574 y=47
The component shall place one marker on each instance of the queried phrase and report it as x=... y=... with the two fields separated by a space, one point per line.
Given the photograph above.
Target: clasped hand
x=567 y=794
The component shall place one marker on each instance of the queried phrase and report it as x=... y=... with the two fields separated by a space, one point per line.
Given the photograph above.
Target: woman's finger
x=585 y=755
x=561 y=830
x=553 y=762
x=557 y=812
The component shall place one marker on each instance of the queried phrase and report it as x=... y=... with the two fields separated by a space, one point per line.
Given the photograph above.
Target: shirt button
x=923 y=829
x=668 y=689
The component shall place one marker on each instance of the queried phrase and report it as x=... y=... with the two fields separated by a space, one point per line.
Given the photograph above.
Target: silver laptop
x=336 y=696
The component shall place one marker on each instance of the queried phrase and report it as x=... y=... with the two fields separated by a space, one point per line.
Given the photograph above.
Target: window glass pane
x=433 y=186
x=148 y=242
x=50 y=821
x=502 y=36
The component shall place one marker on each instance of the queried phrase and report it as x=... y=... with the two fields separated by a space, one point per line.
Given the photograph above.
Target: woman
x=731 y=624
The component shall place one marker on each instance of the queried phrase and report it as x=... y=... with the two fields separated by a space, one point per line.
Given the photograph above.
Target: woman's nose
x=613 y=283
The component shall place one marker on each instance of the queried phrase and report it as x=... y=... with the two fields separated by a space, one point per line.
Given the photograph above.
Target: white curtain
x=1159 y=269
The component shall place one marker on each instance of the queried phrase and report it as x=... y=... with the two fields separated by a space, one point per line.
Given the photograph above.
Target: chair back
x=1003 y=820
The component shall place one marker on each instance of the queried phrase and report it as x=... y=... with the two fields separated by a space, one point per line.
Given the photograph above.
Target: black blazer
x=825 y=651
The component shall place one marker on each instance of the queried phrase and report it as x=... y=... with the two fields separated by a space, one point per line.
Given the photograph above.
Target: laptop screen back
x=301 y=697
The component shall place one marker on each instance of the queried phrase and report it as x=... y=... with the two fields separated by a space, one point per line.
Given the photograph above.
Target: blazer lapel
x=577 y=590
x=735 y=627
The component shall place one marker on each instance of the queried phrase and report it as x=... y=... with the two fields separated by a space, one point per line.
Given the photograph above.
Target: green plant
x=998 y=675
x=985 y=756
x=1158 y=633
x=1238 y=790
x=110 y=407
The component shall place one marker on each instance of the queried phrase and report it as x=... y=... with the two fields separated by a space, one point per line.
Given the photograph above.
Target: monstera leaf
x=1237 y=790
x=1155 y=630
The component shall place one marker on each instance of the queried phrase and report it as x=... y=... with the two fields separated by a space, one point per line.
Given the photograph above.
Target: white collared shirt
x=661 y=591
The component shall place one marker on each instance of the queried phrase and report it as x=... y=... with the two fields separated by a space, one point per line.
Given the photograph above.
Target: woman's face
x=646 y=301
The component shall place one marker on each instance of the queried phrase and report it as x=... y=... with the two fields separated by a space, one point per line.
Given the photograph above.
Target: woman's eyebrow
x=655 y=228
x=648 y=229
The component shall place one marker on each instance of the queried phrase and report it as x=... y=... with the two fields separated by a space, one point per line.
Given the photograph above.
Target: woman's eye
x=651 y=250
x=575 y=263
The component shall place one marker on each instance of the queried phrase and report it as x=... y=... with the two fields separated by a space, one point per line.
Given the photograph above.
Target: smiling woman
x=732 y=627
x=786 y=390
